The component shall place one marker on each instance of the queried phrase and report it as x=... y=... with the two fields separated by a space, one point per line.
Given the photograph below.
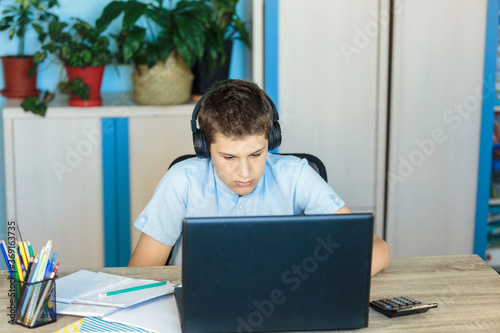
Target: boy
x=238 y=124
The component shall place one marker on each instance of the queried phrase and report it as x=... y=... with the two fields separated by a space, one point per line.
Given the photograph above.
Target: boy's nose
x=243 y=169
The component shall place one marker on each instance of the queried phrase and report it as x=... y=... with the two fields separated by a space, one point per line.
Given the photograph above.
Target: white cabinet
x=53 y=178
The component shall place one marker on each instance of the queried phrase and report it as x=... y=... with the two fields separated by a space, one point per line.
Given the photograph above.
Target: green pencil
x=121 y=291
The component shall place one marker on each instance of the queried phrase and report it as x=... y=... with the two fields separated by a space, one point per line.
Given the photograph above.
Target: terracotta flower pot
x=17 y=82
x=92 y=76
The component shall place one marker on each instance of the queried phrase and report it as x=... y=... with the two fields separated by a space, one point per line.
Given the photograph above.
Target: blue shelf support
x=116 y=191
x=487 y=119
x=271 y=54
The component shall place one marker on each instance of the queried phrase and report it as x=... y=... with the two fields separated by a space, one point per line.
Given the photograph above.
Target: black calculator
x=400 y=306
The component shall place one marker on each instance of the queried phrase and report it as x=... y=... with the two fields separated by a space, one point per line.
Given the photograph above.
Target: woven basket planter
x=163 y=84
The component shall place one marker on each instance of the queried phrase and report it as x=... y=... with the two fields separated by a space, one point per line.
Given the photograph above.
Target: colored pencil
x=43 y=299
x=22 y=254
x=5 y=254
x=127 y=290
x=30 y=249
x=36 y=290
x=18 y=267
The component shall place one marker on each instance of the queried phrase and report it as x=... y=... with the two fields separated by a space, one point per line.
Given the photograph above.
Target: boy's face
x=239 y=163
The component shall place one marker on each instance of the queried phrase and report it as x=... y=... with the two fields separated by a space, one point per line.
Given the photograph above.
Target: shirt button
x=240 y=207
x=142 y=219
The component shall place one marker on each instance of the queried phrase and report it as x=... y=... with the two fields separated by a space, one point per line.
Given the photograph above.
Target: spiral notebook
x=85 y=287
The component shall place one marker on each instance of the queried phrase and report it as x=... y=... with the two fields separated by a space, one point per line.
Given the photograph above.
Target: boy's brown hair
x=235 y=108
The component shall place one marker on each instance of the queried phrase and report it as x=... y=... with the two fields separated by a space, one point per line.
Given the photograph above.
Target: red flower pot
x=17 y=82
x=92 y=76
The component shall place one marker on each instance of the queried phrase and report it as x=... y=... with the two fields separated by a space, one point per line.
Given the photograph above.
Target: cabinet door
x=332 y=88
x=437 y=71
x=54 y=185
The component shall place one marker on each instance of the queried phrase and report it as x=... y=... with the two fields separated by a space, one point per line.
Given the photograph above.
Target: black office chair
x=314 y=162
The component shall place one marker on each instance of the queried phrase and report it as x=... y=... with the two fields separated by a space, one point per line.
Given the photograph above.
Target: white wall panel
x=329 y=88
x=438 y=55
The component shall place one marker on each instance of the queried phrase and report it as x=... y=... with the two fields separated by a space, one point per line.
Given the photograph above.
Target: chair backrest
x=313 y=161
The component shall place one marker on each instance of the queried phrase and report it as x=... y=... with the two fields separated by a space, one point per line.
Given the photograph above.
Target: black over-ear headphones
x=200 y=144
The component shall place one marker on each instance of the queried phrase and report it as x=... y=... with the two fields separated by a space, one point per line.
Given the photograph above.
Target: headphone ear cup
x=275 y=137
x=200 y=145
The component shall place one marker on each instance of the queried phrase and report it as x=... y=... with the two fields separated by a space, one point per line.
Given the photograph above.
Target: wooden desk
x=465 y=287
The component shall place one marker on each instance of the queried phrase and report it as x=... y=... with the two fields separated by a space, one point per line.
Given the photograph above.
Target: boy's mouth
x=244 y=184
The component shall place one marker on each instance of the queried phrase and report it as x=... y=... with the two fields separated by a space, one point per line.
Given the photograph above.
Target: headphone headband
x=199 y=141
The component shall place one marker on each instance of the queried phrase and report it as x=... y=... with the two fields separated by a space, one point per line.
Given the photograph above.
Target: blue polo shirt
x=191 y=188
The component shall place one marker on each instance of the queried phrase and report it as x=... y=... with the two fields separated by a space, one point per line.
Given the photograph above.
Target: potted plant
x=224 y=26
x=84 y=52
x=18 y=18
x=162 y=44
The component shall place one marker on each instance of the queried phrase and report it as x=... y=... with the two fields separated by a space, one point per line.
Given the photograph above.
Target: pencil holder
x=36 y=303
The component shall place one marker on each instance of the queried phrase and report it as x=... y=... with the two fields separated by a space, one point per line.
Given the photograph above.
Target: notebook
x=158 y=315
x=73 y=309
x=276 y=273
x=85 y=287
x=94 y=324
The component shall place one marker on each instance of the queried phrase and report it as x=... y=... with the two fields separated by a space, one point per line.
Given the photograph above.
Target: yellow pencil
x=18 y=267
x=23 y=254
x=26 y=250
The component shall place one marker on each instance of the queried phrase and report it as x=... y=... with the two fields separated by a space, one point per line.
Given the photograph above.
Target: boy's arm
x=149 y=252
x=380 y=251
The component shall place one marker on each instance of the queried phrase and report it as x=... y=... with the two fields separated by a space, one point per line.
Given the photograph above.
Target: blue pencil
x=6 y=257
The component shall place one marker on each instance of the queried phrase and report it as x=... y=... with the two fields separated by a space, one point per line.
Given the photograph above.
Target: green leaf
x=80 y=89
x=55 y=29
x=132 y=43
x=65 y=52
x=52 y=3
x=240 y=27
x=52 y=48
x=151 y=55
x=41 y=37
x=38 y=28
x=165 y=46
x=32 y=70
x=6 y=22
x=35 y=105
x=109 y=14
x=86 y=57
x=133 y=11
x=184 y=51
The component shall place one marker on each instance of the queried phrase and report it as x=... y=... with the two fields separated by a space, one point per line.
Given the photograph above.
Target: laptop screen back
x=276 y=273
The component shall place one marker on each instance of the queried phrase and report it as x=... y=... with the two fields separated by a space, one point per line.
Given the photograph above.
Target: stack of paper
x=111 y=298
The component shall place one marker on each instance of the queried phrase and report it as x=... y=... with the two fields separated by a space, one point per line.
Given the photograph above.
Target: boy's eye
x=255 y=155
x=229 y=158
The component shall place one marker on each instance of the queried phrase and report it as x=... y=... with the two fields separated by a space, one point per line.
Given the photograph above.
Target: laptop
x=276 y=273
